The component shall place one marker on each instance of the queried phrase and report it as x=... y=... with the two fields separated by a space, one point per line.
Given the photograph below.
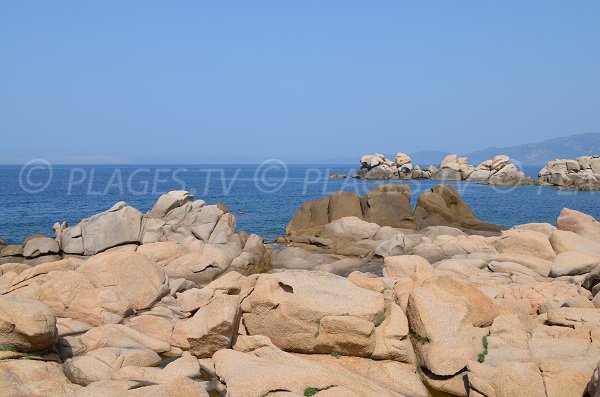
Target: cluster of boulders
x=386 y=301
x=388 y=205
x=498 y=171
x=580 y=174
x=377 y=166
x=202 y=236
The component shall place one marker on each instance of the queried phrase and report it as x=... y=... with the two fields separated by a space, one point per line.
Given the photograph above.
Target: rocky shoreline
x=582 y=173
x=363 y=296
x=497 y=171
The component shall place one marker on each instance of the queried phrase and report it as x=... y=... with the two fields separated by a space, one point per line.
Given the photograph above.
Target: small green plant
x=311 y=391
x=420 y=338
x=8 y=348
x=336 y=354
x=379 y=319
x=484 y=341
x=32 y=355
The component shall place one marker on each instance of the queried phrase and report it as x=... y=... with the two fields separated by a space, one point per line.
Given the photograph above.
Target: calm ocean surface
x=263 y=198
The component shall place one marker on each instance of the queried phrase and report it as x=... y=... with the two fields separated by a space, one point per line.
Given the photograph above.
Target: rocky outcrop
x=386 y=205
x=443 y=206
x=26 y=325
x=351 y=242
x=461 y=307
x=498 y=171
x=119 y=225
x=199 y=240
x=582 y=173
x=314 y=313
x=257 y=368
x=377 y=166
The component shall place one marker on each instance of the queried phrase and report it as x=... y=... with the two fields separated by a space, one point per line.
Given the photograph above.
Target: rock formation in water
x=580 y=174
x=202 y=235
x=377 y=166
x=497 y=171
x=388 y=205
x=428 y=308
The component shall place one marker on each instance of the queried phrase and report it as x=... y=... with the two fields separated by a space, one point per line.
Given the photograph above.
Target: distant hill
x=568 y=147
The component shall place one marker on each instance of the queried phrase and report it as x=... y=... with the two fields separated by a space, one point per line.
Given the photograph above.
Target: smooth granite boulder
x=26 y=325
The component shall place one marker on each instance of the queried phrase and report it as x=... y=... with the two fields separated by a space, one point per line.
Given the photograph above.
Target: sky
x=303 y=81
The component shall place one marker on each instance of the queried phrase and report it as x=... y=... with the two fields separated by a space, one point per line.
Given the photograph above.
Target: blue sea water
x=263 y=197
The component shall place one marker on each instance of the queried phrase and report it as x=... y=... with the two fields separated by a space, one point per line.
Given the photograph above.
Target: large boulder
x=101 y=363
x=385 y=205
x=203 y=266
x=402 y=159
x=389 y=205
x=349 y=228
x=571 y=263
x=509 y=174
x=213 y=326
x=38 y=245
x=343 y=204
x=313 y=312
x=580 y=223
x=310 y=217
x=163 y=252
x=507 y=380
x=70 y=294
x=170 y=201
x=26 y=325
x=257 y=368
x=411 y=266
x=26 y=378
x=527 y=243
x=443 y=206
x=133 y=275
x=119 y=225
x=563 y=240
x=448 y=320
x=580 y=174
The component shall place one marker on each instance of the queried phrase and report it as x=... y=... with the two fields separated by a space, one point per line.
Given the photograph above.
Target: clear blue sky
x=304 y=81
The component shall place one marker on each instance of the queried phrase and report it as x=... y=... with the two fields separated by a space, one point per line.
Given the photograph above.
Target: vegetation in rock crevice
x=484 y=341
x=420 y=338
x=311 y=391
x=379 y=319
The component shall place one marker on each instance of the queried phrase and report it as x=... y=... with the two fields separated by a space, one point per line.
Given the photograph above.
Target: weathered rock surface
x=313 y=312
x=262 y=369
x=386 y=205
x=25 y=378
x=460 y=306
x=26 y=325
x=39 y=245
x=443 y=206
x=580 y=223
x=498 y=171
x=580 y=174
x=133 y=275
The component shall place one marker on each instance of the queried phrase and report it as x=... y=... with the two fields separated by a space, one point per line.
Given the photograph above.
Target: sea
x=262 y=196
